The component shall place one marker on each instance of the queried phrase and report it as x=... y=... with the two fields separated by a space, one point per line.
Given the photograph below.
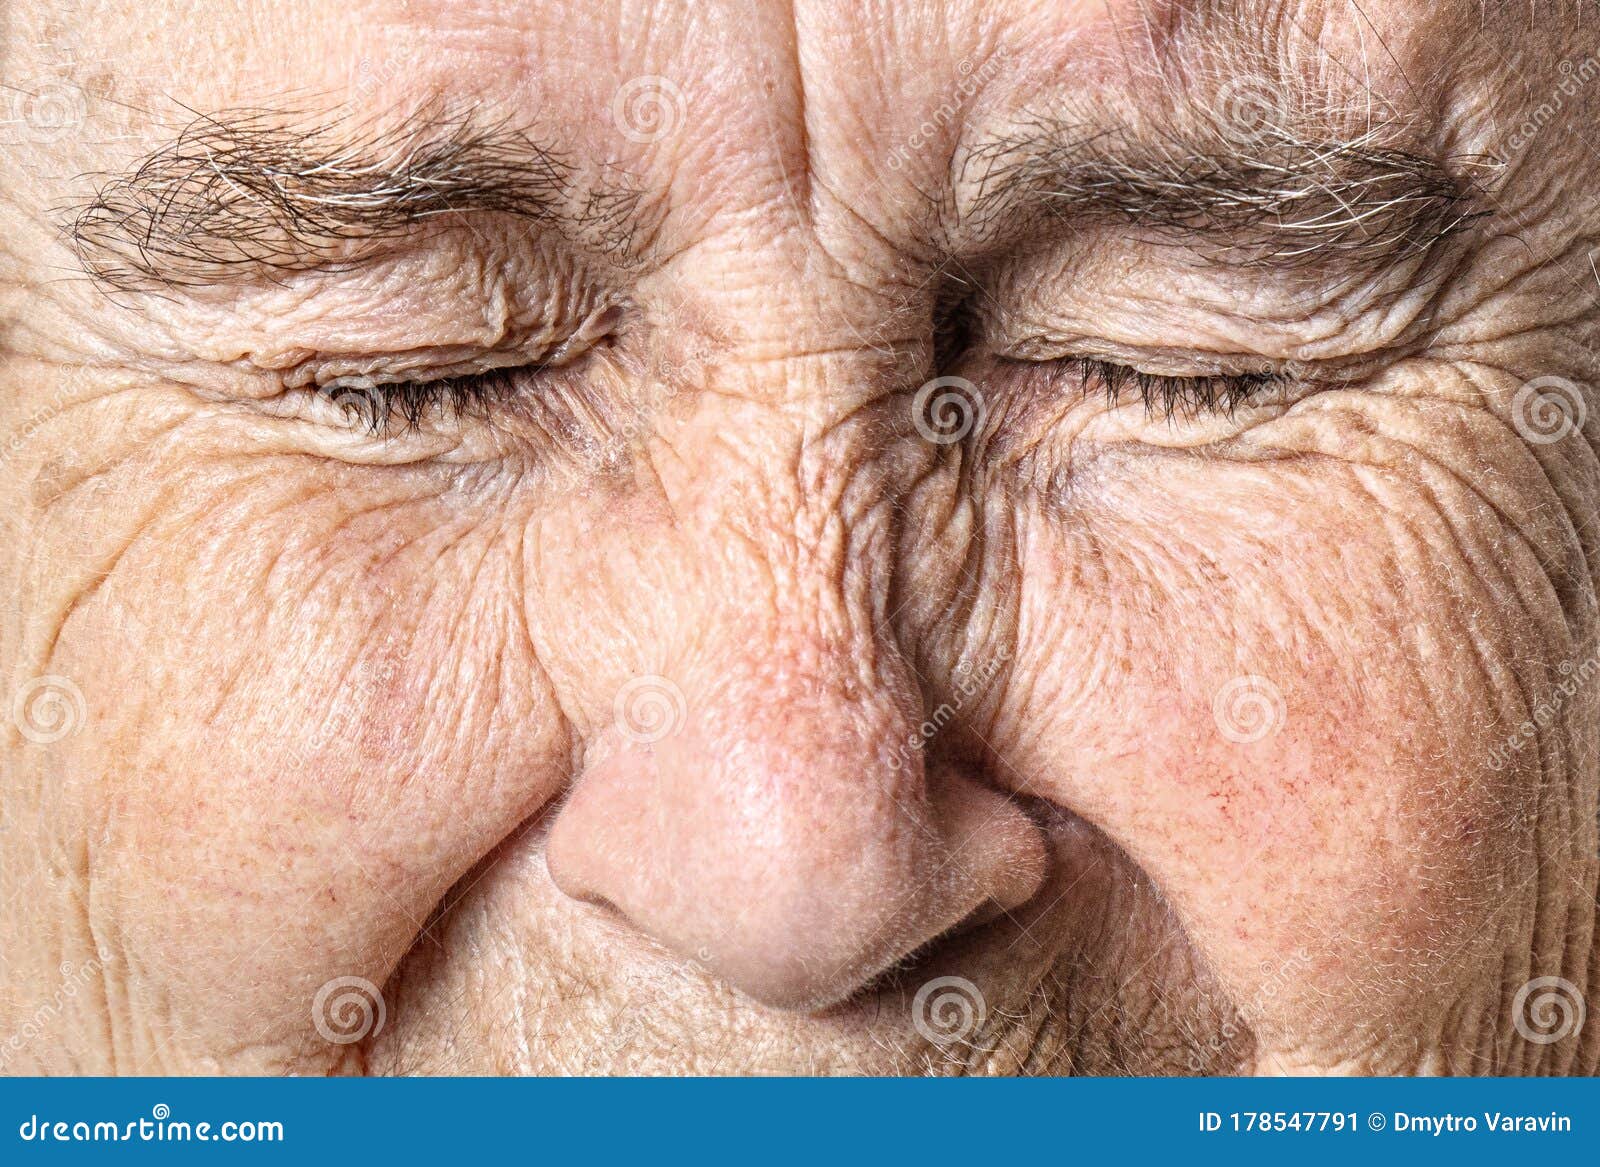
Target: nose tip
x=796 y=876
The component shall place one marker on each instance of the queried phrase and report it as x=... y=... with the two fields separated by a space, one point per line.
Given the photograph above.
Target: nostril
x=787 y=868
x=585 y=895
x=986 y=913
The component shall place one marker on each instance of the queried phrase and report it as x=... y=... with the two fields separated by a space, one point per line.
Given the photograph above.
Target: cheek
x=312 y=711
x=1279 y=687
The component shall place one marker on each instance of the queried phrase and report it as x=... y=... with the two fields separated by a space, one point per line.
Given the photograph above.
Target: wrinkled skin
x=350 y=705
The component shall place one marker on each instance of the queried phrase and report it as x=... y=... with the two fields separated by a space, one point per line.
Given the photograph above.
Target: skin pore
x=906 y=537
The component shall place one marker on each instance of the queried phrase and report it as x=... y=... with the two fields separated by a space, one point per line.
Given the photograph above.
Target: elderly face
x=894 y=537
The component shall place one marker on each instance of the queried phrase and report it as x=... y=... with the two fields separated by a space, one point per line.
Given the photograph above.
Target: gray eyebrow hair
x=248 y=191
x=1276 y=199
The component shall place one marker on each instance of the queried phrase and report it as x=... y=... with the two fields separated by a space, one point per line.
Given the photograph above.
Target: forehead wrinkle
x=248 y=191
x=1325 y=59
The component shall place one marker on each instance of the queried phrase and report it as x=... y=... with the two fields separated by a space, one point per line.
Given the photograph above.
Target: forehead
x=727 y=105
x=870 y=67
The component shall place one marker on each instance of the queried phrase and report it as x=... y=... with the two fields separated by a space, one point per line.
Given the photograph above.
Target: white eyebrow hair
x=1247 y=141
x=1279 y=200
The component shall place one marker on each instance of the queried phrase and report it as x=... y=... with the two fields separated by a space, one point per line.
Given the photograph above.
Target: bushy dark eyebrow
x=246 y=192
x=1277 y=198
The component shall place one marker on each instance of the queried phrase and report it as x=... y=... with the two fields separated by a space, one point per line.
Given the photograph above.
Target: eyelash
x=376 y=406
x=1170 y=397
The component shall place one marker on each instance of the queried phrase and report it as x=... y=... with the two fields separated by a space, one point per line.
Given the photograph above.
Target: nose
x=788 y=836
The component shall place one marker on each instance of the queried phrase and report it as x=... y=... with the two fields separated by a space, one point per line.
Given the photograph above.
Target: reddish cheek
x=1283 y=770
x=1245 y=780
x=1351 y=827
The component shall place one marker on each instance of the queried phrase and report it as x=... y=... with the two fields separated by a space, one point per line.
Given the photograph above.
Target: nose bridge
x=796 y=695
x=799 y=703
x=785 y=462
x=786 y=513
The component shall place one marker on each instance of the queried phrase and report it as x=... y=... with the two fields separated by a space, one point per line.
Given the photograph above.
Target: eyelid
x=488 y=377
x=380 y=365
x=1156 y=360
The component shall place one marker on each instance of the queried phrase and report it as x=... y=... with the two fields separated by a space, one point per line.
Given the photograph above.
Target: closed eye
x=379 y=406
x=1170 y=397
x=378 y=403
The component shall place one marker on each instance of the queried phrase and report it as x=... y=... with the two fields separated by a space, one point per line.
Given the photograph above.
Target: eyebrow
x=1279 y=199
x=248 y=192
